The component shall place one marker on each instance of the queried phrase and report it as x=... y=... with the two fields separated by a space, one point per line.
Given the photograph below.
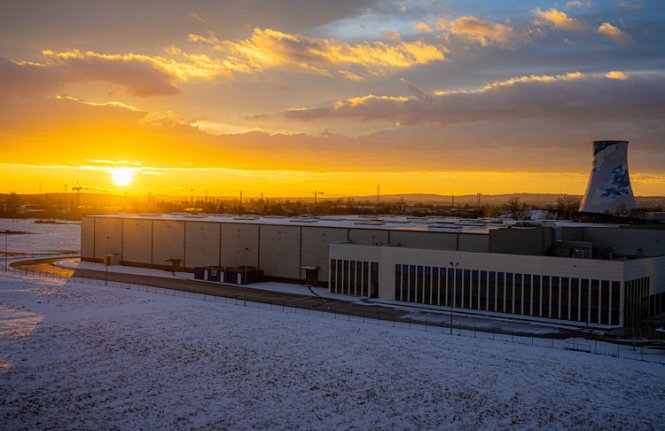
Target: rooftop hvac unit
x=608 y=190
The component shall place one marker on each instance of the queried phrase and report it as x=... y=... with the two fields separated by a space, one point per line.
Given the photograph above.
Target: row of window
x=354 y=277
x=584 y=300
x=637 y=300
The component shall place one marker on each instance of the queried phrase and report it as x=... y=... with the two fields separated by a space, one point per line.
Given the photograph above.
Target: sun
x=122 y=177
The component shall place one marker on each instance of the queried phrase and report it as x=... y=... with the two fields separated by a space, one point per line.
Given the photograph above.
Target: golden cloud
x=614 y=33
x=484 y=32
x=560 y=20
x=268 y=48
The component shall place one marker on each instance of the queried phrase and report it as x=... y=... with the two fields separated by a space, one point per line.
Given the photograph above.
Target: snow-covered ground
x=75 y=355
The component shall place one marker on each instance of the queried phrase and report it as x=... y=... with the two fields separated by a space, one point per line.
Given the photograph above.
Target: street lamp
x=450 y=302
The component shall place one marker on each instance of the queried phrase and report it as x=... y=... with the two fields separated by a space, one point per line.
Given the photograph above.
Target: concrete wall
x=108 y=237
x=240 y=244
x=168 y=242
x=626 y=241
x=427 y=240
x=137 y=241
x=479 y=243
x=202 y=244
x=280 y=251
x=369 y=236
x=653 y=267
x=315 y=244
x=87 y=237
x=519 y=240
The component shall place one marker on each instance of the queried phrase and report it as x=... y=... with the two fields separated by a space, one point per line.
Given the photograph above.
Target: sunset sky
x=284 y=98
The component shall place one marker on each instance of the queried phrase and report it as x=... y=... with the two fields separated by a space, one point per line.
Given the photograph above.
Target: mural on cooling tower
x=608 y=190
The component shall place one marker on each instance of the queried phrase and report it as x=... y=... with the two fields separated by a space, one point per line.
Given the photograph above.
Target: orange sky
x=417 y=98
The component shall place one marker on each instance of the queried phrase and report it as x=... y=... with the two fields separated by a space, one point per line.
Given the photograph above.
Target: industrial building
x=585 y=274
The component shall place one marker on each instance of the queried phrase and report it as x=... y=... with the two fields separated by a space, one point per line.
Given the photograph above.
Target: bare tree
x=567 y=205
x=517 y=209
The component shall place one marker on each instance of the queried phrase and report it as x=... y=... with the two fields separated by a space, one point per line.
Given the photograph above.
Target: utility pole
x=316 y=193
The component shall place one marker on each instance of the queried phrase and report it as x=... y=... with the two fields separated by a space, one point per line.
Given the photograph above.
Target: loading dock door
x=311 y=275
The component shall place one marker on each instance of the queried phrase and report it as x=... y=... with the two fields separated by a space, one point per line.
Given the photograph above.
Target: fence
x=590 y=346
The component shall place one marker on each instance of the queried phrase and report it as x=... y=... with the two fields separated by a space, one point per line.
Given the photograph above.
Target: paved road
x=373 y=311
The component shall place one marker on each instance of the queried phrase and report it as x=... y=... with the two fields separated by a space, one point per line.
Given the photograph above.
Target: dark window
x=398 y=280
x=616 y=300
x=565 y=292
x=547 y=291
x=483 y=294
x=536 y=297
x=584 y=300
x=501 y=290
x=593 y=305
x=556 y=298
x=574 y=298
x=510 y=292
x=605 y=302
x=333 y=275
x=518 y=289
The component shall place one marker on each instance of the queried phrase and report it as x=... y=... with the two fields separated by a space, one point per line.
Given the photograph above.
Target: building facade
x=582 y=274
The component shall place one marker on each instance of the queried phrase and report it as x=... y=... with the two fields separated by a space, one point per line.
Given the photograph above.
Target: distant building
x=584 y=274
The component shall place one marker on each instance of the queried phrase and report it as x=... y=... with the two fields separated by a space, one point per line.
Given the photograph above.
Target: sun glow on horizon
x=122 y=177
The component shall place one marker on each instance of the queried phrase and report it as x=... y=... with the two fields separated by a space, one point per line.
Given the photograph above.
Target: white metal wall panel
x=428 y=240
x=474 y=242
x=137 y=241
x=240 y=244
x=87 y=237
x=280 y=251
x=168 y=241
x=315 y=243
x=108 y=237
x=368 y=236
x=201 y=244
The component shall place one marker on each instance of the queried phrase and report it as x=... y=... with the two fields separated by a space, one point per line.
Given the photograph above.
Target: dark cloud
x=140 y=77
x=574 y=97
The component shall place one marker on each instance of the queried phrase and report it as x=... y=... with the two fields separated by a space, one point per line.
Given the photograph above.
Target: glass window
x=547 y=292
x=574 y=299
x=556 y=297
x=536 y=289
x=584 y=300
x=500 y=291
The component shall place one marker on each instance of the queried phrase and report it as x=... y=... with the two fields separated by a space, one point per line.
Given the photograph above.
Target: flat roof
x=381 y=222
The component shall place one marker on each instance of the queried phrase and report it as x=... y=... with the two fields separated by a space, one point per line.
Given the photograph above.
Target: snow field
x=81 y=356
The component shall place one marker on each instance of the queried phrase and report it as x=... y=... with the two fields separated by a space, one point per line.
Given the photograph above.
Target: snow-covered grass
x=75 y=355
x=85 y=356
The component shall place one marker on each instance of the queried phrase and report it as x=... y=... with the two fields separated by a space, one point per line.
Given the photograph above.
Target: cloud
x=579 y=4
x=559 y=20
x=268 y=48
x=484 y=32
x=615 y=33
x=139 y=74
x=569 y=97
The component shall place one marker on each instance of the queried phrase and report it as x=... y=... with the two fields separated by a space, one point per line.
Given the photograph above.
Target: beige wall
x=315 y=242
x=168 y=242
x=202 y=244
x=627 y=241
x=137 y=241
x=87 y=237
x=280 y=251
x=428 y=240
x=368 y=236
x=108 y=237
x=479 y=243
x=240 y=244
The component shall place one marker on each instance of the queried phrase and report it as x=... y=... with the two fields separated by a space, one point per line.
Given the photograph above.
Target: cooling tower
x=608 y=190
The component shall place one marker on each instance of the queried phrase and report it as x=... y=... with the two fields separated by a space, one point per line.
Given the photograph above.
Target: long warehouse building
x=585 y=274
